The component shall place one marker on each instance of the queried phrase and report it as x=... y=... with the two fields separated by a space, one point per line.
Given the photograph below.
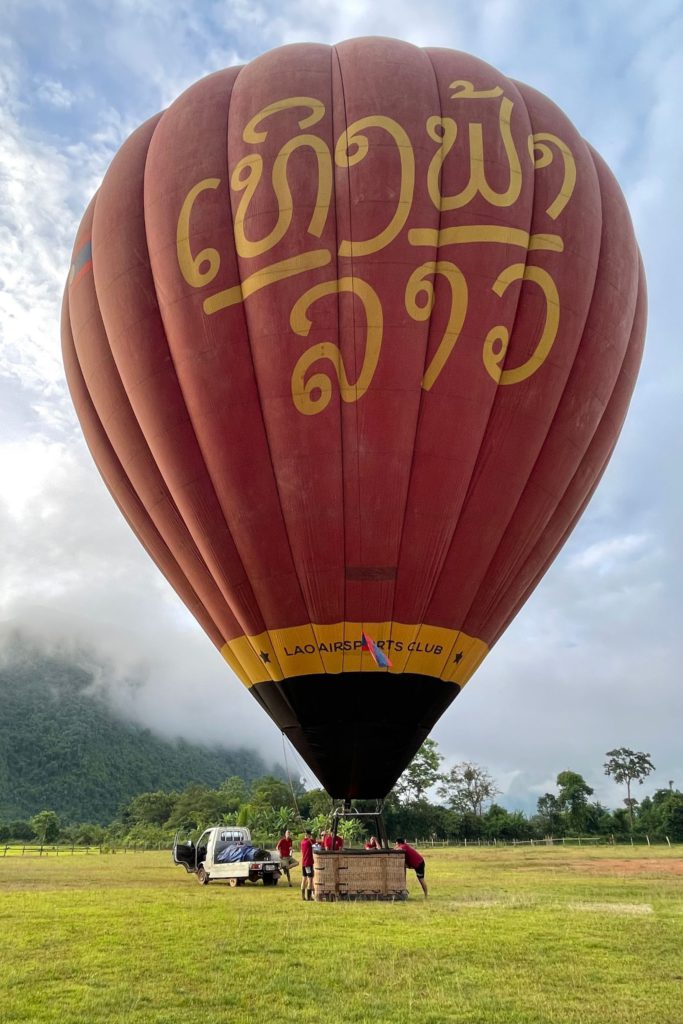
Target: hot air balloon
x=351 y=333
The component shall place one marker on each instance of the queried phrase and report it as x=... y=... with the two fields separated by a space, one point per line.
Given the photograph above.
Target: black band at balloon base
x=356 y=731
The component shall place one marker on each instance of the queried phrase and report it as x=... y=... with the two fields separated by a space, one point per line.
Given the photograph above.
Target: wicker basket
x=359 y=875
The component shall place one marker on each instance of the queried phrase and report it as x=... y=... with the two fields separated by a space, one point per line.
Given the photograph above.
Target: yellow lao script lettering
x=542 y=155
x=201 y=269
x=498 y=338
x=352 y=147
x=313 y=395
x=444 y=131
x=247 y=175
x=419 y=299
x=419 y=294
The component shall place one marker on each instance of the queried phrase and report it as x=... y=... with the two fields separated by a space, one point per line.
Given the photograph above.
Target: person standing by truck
x=307 y=866
x=284 y=849
x=414 y=860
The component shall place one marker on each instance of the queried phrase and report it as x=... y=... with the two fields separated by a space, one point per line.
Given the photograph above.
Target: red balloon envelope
x=351 y=332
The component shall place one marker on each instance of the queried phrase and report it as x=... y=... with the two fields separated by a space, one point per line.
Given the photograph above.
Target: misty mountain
x=63 y=747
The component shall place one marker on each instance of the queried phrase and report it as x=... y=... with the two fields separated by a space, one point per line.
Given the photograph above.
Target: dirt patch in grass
x=639 y=866
x=612 y=908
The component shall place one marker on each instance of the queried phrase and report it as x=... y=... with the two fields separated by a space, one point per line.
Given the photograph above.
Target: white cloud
x=608 y=554
x=24 y=468
x=44 y=189
x=54 y=94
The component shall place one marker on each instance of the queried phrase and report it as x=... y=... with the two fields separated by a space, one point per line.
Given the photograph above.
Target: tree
x=45 y=825
x=467 y=787
x=549 y=819
x=269 y=824
x=672 y=819
x=315 y=802
x=234 y=792
x=351 y=830
x=151 y=808
x=421 y=774
x=662 y=815
x=88 y=834
x=499 y=823
x=573 y=798
x=627 y=766
x=270 y=792
x=21 y=830
x=196 y=807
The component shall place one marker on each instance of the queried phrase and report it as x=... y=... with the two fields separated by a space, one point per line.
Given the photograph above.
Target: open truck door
x=185 y=853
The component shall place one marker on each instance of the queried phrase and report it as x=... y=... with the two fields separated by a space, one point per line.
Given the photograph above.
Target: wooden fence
x=45 y=850
x=610 y=840
x=37 y=850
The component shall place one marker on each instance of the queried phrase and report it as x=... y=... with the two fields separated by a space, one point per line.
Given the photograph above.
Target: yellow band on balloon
x=277 y=654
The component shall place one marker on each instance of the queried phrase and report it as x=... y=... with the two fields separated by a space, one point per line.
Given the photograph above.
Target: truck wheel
x=202 y=876
x=268 y=880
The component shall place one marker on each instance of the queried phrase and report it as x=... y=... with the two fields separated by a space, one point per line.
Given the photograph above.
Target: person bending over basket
x=414 y=860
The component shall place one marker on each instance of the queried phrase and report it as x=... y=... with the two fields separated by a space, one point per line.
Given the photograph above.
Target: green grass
x=523 y=936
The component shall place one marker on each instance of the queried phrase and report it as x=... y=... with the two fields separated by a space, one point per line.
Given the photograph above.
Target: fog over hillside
x=64 y=745
x=186 y=693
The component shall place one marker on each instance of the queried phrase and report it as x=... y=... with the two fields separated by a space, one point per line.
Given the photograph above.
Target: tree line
x=427 y=802
x=467 y=807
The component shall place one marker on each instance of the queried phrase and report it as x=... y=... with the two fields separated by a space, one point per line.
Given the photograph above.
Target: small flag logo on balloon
x=379 y=657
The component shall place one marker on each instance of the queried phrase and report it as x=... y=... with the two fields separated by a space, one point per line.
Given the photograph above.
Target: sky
x=593 y=660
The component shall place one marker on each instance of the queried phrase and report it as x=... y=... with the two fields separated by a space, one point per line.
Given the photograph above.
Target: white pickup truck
x=226 y=852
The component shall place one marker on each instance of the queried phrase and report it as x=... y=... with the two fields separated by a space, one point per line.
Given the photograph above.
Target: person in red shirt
x=307 y=866
x=331 y=842
x=414 y=860
x=284 y=848
x=373 y=843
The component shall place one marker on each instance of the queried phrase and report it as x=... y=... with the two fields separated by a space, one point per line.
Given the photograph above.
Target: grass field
x=521 y=936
